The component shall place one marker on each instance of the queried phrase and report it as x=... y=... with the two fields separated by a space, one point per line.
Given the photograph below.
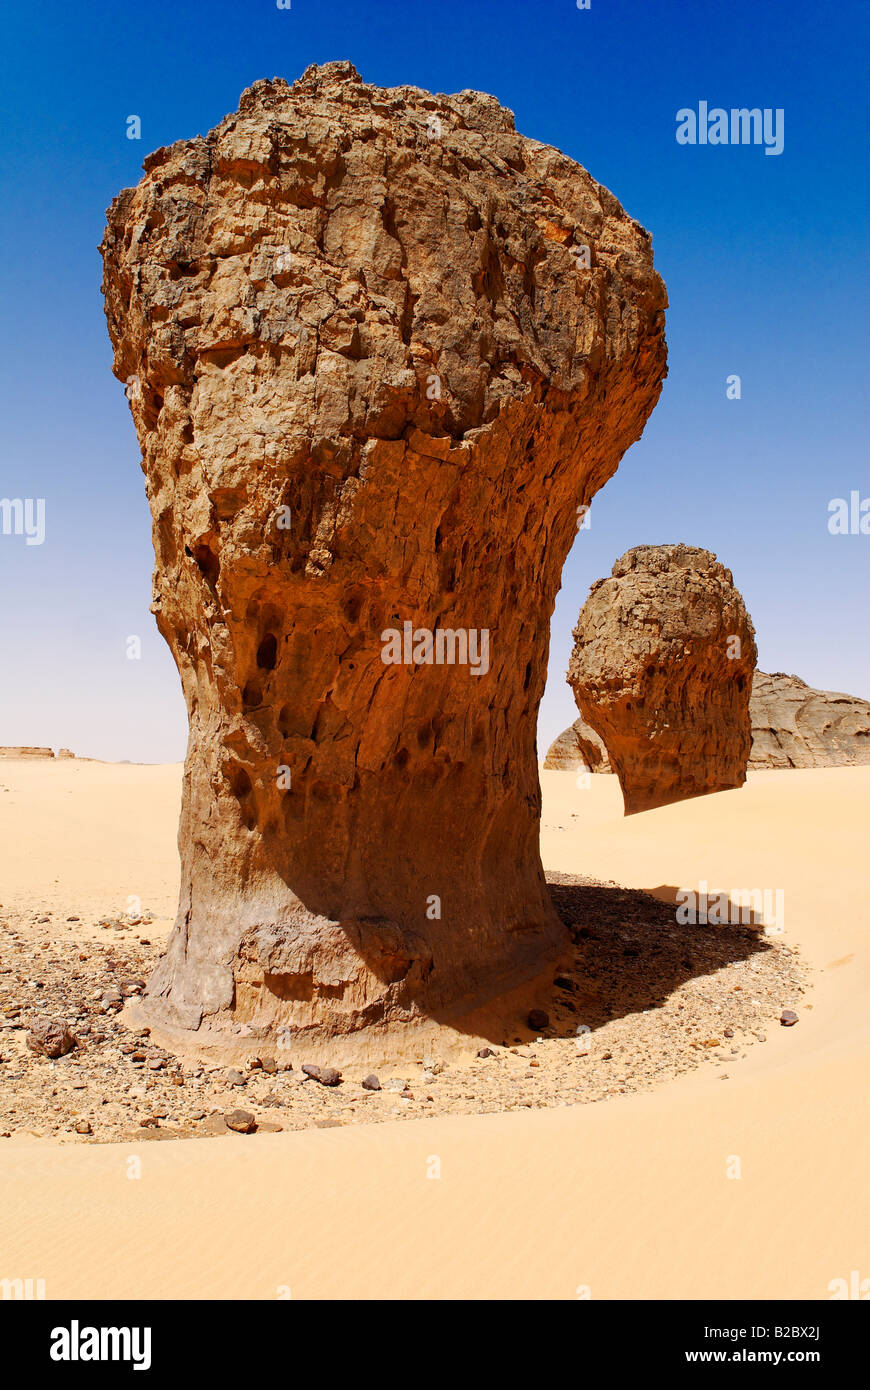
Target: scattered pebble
x=669 y=1006
x=241 y=1121
x=327 y=1076
x=50 y=1037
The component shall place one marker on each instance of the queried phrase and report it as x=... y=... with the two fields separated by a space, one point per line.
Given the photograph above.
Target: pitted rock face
x=374 y=374
x=664 y=652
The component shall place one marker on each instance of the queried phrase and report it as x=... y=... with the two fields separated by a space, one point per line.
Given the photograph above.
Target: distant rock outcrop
x=796 y=726
x=664 y=652
x=24 y=752
x=577 y=747
x=379 y=349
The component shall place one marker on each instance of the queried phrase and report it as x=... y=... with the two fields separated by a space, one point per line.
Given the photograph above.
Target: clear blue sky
x=765 y=259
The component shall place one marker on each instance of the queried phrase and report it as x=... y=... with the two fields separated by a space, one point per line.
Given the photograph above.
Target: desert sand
x=626 y=1198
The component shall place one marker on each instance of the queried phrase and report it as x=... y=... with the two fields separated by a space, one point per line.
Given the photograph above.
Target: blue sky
x=765 y=259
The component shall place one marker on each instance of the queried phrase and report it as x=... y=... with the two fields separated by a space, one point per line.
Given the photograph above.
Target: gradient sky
x=764 y=257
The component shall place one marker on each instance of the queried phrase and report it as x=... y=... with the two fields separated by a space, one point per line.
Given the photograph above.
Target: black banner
x=66 y=1338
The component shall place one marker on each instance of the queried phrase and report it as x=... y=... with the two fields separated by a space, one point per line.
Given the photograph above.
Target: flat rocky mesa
x=24 y=752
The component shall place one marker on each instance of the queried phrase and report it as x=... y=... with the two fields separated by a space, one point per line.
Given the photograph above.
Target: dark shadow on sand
x=630 y=953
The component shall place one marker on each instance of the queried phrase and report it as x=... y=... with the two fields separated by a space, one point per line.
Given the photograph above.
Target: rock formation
x=664 y=652
x=793 y=725
x=796 y=726
x=12 y=751
x=379 y=349
x=576 y=748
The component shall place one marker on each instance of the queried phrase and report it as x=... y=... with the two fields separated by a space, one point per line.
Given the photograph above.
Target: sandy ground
x=637 y=1196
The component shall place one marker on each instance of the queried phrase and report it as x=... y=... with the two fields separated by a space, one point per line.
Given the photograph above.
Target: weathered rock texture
x=577 y=747
x=664 y=652
x=287 y=297
x=793 y=725
x=796 y=726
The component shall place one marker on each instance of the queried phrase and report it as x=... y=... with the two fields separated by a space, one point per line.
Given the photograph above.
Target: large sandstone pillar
x=379 y=348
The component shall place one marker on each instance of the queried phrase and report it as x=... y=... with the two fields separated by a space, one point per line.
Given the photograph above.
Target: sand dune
x=625 y=1198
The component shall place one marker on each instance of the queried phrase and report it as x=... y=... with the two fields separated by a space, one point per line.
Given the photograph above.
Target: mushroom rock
x=664 y=652
x=380 y=351
x=796 y=726
x=576 y=748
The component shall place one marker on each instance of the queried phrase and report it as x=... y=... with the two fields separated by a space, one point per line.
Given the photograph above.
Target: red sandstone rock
x=50 y=1037
x=662 y=670
x=374 y=373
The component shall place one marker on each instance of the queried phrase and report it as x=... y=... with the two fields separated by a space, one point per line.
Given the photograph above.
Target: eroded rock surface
x=664 y=652
x=793 y=725
x=796 y=726
x=379 y=349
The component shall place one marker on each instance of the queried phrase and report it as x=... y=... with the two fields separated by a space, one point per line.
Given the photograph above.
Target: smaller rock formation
x=577 y=747
x=662 y=670
x=796 y=726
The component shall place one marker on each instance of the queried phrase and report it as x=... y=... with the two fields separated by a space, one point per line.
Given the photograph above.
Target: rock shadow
x=629 y=953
